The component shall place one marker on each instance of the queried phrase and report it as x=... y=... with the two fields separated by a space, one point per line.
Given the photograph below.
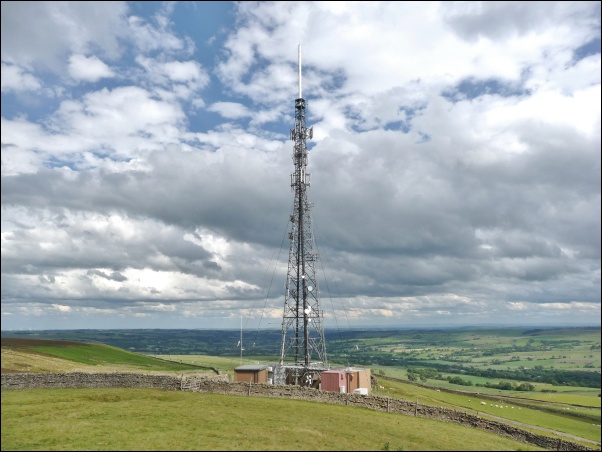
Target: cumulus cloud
x=455 y=162
x=88 y=69
x=231 y=110
x=42 y=34
x=16 y=79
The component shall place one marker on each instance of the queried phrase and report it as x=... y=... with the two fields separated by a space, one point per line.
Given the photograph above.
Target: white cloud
x=17 y=79
x=185 y=71
x=413 y=43
x=182 y=78
x=230 y=110
x=111 y=129
x=88 y=69
x=148 y=38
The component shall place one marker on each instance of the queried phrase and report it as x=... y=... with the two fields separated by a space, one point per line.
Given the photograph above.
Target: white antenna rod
x=300 y=92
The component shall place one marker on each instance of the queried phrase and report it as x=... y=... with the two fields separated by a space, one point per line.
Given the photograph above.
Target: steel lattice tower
x=302 y=329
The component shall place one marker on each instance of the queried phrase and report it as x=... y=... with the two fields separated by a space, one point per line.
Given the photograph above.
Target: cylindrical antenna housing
x=300 y=91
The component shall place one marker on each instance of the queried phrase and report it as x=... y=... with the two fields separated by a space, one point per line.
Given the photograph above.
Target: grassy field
x=500 y=348
x=582 y=419
x=572 y=395
x=32 y=355
x=571 y=411
x=568 y=423
x=141 y=419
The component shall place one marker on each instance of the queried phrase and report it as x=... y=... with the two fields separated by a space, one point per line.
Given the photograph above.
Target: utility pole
x=302 y=329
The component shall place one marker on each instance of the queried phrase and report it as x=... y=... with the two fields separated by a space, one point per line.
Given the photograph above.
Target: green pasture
x=225 y=364
x=569 y=410
x=570 y=395
x=587 y=365
x=471 y=403
x=568 y=349
x=562 y=422
x=580 y=397
x=146 y=419
x=100 y=354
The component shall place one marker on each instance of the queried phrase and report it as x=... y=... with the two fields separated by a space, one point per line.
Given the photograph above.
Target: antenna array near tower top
x=302 y=329
x=299 y=69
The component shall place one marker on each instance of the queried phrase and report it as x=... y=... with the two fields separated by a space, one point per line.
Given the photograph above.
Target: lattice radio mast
x=302 y=329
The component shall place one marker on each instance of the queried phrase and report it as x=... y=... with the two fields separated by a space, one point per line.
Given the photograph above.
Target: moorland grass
x=584 y=427
x=100 y=354
x=97 y=355
x=149 y=419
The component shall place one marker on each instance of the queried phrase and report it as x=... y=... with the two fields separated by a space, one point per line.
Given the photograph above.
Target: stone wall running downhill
x=501 y=399
x=212 y=385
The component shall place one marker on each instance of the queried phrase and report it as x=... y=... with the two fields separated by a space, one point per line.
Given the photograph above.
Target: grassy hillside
x=21 y=409
x=37 y=355
x=576 y=413
x=557 y=357
x=141 y=419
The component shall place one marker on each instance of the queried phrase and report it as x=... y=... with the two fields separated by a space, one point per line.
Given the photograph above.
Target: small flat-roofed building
x=251 y=373
x=346 y=380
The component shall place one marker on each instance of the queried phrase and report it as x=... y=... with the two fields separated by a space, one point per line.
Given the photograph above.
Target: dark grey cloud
x=114 y=276
x=45 y=33
x=504 y=20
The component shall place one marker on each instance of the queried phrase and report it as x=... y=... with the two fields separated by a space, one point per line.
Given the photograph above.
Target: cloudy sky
x=146 y=162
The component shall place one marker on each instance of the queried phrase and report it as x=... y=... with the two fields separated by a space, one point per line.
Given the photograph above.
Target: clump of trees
x=509 y=386
x=423 y=374
x=459 y=381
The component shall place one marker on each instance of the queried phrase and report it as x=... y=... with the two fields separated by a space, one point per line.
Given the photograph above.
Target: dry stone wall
x=87 y=380
x=209 y=385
